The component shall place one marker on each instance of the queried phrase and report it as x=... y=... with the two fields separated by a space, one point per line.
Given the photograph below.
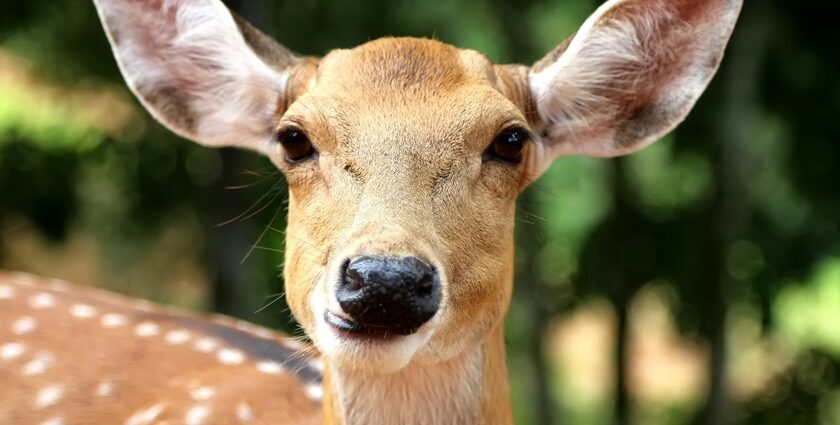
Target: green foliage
x=47 y=126
x=809 y=314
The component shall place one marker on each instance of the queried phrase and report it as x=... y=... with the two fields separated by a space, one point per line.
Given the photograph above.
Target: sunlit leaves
x=809 y=314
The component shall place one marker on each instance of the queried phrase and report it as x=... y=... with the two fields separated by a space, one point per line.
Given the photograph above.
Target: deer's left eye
x=507 y=146
x=296 y=145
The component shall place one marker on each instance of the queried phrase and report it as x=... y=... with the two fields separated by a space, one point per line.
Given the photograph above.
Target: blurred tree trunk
x=620 y=290
x=231 y=241
x=228 y=242
x=530 y=284
x=732 y=169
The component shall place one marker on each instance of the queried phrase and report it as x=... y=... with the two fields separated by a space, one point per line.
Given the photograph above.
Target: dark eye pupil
x=296 y=145
x=508 y=145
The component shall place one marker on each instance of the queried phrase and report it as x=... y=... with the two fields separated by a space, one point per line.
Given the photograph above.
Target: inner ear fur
x=202 y=71
x=629 y=75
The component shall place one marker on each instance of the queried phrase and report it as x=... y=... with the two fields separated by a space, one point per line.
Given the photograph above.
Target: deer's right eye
x=296 y=145
x=507 y=146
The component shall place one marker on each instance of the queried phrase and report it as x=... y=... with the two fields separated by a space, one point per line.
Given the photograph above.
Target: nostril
x=351 y=278
x=426 y=286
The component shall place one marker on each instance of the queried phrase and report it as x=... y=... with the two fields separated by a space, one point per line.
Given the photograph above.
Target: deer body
x=404 y=158
x=70 y=355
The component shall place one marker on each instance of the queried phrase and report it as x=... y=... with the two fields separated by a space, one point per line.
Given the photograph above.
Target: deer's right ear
x=631 y=74
x=200 y=70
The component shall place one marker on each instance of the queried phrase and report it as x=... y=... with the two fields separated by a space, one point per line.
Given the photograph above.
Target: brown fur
x=143 y=371
x=413 y=186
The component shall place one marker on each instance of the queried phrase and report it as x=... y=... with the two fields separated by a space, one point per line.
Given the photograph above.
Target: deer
x=403 y=158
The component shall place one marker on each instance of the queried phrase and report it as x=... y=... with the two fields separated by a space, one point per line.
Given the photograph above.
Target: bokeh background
x=697 y=282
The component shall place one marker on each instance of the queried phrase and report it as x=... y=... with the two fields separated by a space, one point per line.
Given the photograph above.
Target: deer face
x=401 y=214
x=404 y=156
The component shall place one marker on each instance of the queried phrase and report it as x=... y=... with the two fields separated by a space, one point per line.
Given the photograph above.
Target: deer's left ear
x=630 y=74
x=200 y=70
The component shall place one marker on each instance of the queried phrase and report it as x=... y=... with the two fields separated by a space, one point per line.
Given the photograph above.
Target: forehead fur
x=408 y=65
x=408 y=93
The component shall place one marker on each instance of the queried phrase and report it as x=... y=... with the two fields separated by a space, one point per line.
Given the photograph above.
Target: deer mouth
x=351 y=329
x=353 y=345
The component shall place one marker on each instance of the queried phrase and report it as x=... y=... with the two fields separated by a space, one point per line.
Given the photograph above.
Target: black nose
x=389 y=294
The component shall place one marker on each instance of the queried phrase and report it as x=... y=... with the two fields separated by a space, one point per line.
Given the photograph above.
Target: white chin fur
x=374 y=356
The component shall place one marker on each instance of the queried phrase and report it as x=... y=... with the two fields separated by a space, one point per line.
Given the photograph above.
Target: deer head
x=404 y=158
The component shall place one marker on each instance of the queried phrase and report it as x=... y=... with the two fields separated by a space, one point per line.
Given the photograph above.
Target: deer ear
x=200 y=70
x=630 y=74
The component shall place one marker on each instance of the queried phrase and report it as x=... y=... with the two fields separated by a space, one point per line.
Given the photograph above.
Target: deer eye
x=296 y=145
x=507 y=146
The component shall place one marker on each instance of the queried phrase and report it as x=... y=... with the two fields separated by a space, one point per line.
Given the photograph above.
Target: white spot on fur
x=244 y=412
x=231 y=356
x=42 y=300
x=104 y=389
x=39 y=364
x=113 y=320
x=7 y=292
x=144 y=305
x=25 y=279
x=59 y=284
x=12 y=350
x=147 y=329
x=54 y=421
x=314 y=391
x=271 y=368
x=177 y=337
x=255 y=330
x=202 y=393
x=293 y=344
x=24 y=325
x=49 y=396
x=83 y=311
x=206 y=345
x=263 y=333
x=244 y=326
x=317 y=364
x=197 y=415
x=146 y=416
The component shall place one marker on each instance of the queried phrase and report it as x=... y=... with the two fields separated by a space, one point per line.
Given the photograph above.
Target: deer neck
x=469 y=389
